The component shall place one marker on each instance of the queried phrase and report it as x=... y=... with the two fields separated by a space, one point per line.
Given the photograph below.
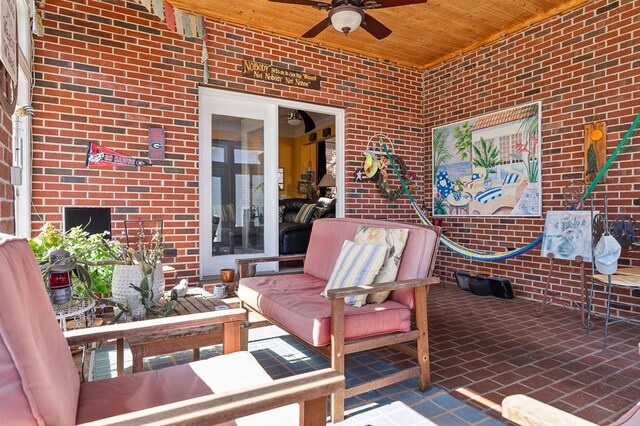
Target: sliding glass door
x=238 y=143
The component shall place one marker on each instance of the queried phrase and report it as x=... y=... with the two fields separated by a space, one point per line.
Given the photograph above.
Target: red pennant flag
x=169 y=15
x=100 y=157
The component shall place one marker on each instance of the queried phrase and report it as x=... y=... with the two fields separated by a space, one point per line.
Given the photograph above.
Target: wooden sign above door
x=266 y=72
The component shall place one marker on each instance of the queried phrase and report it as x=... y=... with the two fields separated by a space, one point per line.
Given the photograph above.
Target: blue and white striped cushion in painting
x=511 y=178
x=488 y=195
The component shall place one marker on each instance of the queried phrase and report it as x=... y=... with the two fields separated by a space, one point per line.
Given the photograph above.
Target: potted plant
x=139 y=280
x=92 y=262
x=91 y=251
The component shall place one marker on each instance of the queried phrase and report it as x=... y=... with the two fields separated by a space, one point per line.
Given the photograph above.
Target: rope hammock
x=498 y=256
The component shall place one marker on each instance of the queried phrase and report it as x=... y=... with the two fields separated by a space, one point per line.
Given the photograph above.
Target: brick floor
x=482 y=350
x=549 y=358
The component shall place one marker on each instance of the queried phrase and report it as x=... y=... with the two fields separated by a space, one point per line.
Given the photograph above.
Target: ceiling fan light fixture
x=346 y=18
x=293 y=118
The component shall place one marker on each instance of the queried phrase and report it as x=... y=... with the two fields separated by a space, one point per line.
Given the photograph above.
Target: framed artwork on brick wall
x=489 y=165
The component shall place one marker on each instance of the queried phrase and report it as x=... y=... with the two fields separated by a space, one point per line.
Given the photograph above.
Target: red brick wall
x=106 y=71
x=6 y=190
x=582 y=65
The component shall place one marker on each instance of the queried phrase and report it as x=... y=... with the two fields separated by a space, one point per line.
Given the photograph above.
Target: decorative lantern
x=60 y=277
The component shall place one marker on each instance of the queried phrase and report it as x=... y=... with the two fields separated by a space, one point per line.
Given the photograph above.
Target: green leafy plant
x=92 y=259
x=91 y=251
x=439 y=206
x=486 y=156
x=440 y=153
x=463 y=143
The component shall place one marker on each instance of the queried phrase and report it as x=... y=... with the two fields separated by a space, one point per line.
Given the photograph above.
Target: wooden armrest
x=243 y=264
x=390 y=286
x=227 y=406
x=526 y=411
x=285 y=257
x=153 y=326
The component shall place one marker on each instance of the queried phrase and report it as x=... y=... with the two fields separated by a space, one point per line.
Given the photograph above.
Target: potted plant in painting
x=486 y=156
x=527 y=154
x=457 y=189
x=439 y=207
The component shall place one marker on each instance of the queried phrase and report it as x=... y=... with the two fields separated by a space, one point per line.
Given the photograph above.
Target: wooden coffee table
x=197 y=300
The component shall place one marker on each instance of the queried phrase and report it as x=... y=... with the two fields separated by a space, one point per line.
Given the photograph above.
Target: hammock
x=497 y=256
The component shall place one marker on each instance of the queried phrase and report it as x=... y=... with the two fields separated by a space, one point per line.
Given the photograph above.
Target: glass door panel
x=237 y=183
x=233 y=185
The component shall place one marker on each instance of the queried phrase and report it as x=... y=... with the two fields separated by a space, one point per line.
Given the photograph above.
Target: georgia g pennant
x=101 y=157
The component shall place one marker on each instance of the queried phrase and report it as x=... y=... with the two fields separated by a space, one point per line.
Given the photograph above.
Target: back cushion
x=38 y=378
x=328 y=235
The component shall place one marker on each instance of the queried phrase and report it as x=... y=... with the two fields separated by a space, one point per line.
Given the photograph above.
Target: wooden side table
x=197 y=300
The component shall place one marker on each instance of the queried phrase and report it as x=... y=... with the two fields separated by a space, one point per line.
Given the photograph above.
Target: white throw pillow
x=395 y=239
x=357 y=265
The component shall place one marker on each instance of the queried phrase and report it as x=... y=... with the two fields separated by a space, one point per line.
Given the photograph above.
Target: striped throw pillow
x=357 y=265
x=305 y=213
x=395 y=239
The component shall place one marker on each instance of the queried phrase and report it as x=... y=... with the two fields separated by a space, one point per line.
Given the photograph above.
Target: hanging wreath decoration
x=379 y=169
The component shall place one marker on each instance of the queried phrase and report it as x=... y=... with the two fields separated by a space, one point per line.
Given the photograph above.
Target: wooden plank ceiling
x=424 y=35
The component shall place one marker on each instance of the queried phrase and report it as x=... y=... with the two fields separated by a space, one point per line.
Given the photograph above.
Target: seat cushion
x=120 y=395
x=294 y=301
x=38 y=378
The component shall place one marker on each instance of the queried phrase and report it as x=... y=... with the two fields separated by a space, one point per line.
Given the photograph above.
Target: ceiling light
x=346 y=18
x=293 y=118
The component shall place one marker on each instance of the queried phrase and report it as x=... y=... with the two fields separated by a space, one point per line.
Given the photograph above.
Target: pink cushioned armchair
x=293 y=302
x=39 y=381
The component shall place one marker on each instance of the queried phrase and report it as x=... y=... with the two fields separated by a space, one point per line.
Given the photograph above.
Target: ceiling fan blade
x=317 y=29
x=394 y=3
x=309 y=125
x=375 y=27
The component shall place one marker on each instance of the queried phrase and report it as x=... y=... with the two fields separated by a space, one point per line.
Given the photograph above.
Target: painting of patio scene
x=489 y=165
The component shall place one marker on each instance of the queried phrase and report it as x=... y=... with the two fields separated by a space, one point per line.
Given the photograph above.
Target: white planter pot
x=124 y=275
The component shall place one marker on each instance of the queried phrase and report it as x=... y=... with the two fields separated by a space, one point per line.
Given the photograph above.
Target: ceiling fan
x=347 y=15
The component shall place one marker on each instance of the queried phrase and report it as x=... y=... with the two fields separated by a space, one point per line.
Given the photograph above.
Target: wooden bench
x=294 y=302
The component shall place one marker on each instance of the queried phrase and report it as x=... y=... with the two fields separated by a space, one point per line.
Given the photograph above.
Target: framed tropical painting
x=489 y=165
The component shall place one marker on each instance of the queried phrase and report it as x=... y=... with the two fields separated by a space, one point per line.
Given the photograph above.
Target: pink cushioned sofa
x=294 y=302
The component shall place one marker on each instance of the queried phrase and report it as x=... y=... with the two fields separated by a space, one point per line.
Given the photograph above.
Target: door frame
x=271 y=137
